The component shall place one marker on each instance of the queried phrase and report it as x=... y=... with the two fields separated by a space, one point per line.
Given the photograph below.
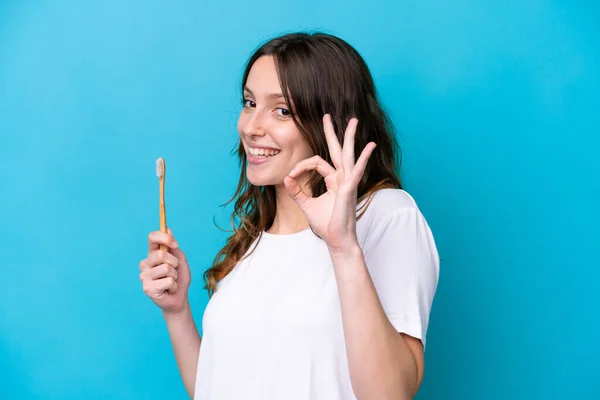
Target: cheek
x=294 y=141
x=302 y=150
x=307 y=150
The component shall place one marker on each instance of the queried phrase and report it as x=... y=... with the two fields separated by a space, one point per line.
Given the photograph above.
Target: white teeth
x=262 y=152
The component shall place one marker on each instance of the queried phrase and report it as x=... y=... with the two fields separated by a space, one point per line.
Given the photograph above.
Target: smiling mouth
x=258 y=152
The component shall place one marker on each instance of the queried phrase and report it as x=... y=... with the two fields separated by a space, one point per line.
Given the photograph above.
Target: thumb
x=177 y=252
x=170 y=233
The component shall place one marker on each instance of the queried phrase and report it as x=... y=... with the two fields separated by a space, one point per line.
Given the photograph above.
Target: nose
x=254 y=124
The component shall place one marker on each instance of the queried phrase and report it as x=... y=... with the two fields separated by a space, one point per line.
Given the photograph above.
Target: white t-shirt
x=273 y=329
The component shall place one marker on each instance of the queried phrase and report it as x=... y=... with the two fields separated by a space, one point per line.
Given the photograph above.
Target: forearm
x=186 y=345
x=381 y=364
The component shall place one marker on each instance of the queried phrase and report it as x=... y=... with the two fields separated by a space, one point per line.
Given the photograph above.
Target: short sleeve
x=403 y=261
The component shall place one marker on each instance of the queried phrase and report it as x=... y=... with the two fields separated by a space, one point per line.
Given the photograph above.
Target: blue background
x=497 y=111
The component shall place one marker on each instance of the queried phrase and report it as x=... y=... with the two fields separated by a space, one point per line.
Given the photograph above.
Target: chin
x=257 y=180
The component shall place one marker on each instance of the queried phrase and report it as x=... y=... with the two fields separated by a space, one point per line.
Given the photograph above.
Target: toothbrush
x=161 y=170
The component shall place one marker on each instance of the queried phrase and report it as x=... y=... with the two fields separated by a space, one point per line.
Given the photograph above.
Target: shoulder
x=394 y=223
x=386 y=202
x=387 y=210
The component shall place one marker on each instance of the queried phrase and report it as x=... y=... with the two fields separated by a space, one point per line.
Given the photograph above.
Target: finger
x=172 y=288
x=348 y=149
x=156 y=238
x=145 y=265
x=332 y=142
x=294 y=190
x=158 y=287
x=158 y=272
x=361 y=163
x=314 y=163
x=157 y=257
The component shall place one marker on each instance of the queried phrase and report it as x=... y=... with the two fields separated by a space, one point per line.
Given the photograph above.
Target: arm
x=383 y=363
x=186 y=345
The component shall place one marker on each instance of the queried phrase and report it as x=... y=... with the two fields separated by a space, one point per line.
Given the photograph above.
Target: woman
x=325 y=287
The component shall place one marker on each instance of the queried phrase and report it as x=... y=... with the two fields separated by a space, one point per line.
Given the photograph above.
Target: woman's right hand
x=165 y=275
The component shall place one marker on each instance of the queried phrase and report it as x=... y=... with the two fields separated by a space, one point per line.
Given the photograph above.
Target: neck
x=289 y=217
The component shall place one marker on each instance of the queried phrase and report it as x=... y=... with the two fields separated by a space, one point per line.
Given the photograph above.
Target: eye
x=248 y=103
x=283 y=112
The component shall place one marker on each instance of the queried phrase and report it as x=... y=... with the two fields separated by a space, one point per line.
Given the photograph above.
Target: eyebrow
x=269 y=96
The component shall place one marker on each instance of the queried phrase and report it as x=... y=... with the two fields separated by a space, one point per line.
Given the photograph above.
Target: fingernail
x=175 y=245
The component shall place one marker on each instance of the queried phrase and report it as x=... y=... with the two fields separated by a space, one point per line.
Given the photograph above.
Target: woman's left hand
x=332 y=216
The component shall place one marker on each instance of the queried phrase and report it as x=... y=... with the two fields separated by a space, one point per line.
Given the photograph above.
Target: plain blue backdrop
x=496 y=105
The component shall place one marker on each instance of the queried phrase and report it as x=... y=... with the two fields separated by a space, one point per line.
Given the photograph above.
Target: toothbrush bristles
x=160 y=167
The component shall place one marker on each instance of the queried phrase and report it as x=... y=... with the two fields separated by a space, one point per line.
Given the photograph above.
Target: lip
x=256 y=160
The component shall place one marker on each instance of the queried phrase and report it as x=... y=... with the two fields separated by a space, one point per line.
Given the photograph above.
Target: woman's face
x=272 y=141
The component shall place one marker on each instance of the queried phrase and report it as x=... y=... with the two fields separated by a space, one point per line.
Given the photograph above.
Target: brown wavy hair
x=319 y=73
